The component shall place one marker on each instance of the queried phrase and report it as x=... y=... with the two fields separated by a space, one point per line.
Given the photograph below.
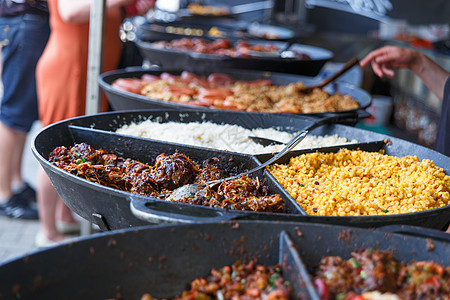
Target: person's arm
x=78 y=11
x=384 y=60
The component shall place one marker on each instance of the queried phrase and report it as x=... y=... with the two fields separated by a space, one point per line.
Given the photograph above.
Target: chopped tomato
x=433 y=280
x=322 y=289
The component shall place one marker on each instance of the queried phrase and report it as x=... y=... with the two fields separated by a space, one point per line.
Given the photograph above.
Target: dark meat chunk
x=137 y=177
x=169 y=173
x=173 y=171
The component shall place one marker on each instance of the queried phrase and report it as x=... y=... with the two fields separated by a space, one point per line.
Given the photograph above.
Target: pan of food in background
x=129 y=264
x=198 y=11
x=108 y=207
x=222 y=28
x=200 y=54
x=251 y=91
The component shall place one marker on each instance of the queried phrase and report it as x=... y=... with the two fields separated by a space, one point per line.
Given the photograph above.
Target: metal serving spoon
x=348 y=65
x=190 y=190
x=264 y=141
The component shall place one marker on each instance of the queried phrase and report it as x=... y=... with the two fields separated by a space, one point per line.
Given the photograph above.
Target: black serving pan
x=199 y=62
x=231 y=29
x=162 y=260
x=122 y=100
x=109 y=208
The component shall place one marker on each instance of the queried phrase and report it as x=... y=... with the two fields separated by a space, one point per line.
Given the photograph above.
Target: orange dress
x=61 y=73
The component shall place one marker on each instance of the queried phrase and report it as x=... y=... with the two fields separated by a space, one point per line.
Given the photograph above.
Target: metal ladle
x=190 y=190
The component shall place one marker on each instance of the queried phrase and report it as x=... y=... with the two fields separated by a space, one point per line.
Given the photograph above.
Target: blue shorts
x=23 y=39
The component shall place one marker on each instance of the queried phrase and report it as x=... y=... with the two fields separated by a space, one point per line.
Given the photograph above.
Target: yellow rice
x=354 y=183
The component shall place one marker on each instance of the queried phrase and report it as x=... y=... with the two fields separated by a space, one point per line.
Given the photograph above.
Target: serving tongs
x=190 y=190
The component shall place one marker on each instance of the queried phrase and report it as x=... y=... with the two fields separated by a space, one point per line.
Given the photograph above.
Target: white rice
x=224 y=137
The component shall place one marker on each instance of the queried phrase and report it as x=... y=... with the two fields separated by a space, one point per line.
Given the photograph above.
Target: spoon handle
x=354 y=61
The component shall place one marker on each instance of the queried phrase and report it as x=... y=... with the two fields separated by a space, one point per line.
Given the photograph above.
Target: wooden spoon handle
x=354 y=61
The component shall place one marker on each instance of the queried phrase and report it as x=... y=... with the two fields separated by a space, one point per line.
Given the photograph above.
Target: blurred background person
x=24 y=31
x=61 y=85
x=384 y=60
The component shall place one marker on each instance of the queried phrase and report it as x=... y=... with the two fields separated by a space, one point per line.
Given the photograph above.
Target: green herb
x=385 y=210
x=340 y=296
x=77 y=154
x=78 y=162
x=363 y=274
x=287 y=283
x=407 y=276
x=273 y=278
x=354 y=263
x=83 y=159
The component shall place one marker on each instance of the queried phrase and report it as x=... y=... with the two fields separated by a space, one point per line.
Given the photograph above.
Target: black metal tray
x=161 y=260
x=231 y=29
x=199 y=62
x=122 y=100
x=109 y=208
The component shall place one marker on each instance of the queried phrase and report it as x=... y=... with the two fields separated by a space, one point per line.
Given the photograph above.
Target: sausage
x=131 y=85
x=192 y=78
x=262 y=82
x=209 y=100
x=219 y=92
x=150 y=78
x=218 y=79
x=169 y=77
x=179 y=90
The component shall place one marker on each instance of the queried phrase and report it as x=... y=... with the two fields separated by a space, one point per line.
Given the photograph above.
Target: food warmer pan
x=200 y=62
x=218 y=28
x=109 y=208
x=162 y=260
x=123 y=100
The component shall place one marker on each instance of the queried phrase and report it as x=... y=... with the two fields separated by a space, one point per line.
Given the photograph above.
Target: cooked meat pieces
x=169 y=173
x=173 y=171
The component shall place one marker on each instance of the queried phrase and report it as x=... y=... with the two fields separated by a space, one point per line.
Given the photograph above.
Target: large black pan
x=231 y=29
x=122 y=100
x=162 y=260
x=109 y=208
x=199 y=62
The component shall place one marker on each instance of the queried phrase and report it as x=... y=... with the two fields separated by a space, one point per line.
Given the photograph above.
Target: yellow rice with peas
x=355 y=183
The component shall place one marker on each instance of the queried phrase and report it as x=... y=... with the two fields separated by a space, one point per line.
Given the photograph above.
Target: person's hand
x=384 y=60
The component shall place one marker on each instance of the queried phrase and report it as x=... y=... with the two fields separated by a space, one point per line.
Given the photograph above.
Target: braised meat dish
x=221 y=91
x=371 y=273
x=240 y=281
x=168 y=173
x=222 y=47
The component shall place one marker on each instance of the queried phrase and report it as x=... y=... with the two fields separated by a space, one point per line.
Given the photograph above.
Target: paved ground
x=17 y=236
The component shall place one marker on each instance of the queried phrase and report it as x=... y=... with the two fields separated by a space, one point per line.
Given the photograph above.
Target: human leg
x=23 y=38
x=12 y=141
x=47 y=199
